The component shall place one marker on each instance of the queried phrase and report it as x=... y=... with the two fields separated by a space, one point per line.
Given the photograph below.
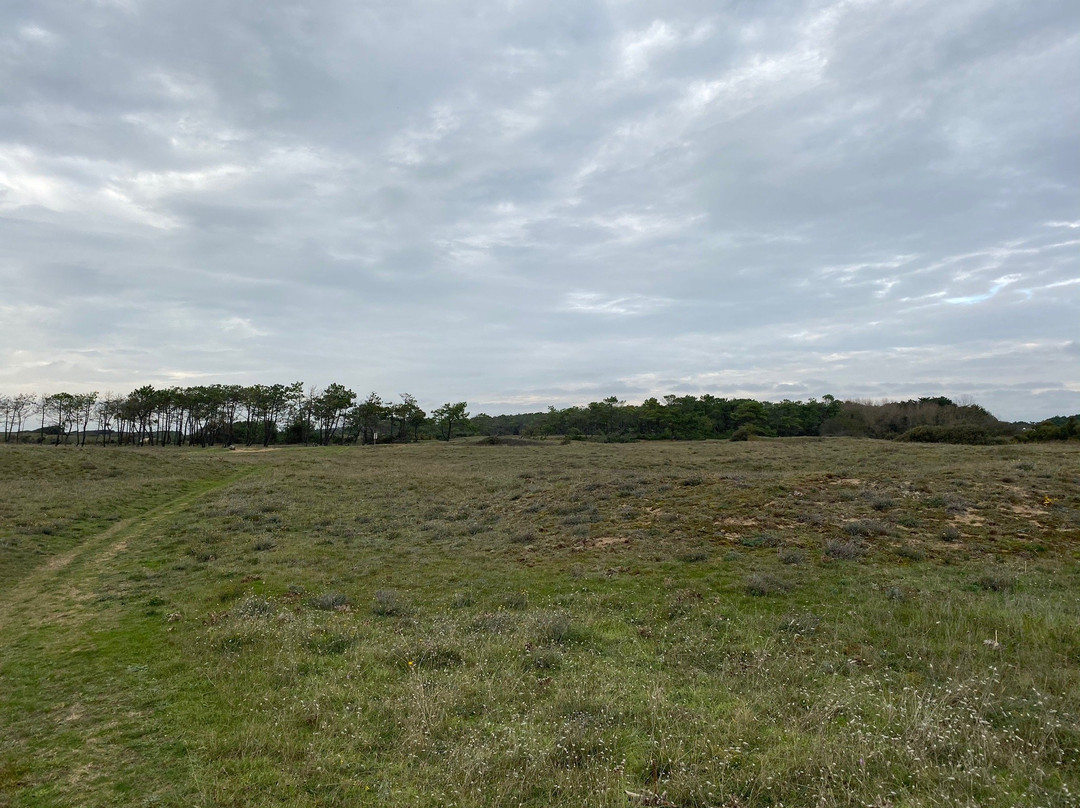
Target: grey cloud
x=554 y=200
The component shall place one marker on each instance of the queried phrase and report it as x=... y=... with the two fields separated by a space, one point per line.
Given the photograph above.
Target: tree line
x=930 y=419
x=699 y=418
x=227 y=415
x=290 y=414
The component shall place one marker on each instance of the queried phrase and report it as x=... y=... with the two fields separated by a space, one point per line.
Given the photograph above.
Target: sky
x=523 y=204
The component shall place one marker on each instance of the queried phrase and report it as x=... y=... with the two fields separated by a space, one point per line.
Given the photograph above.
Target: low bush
x=763 y=584
x=842 y=550
x=330 y=601
x=957 y=433
x=997 y=581
x=790 y=555
x=388 y=603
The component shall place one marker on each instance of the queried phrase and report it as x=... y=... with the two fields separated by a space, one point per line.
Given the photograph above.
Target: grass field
x=800 y=622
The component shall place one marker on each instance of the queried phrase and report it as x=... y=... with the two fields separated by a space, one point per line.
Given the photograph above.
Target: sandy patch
x=968 y=519
x=738 y=522
x=610 y=541
x=1025 y=510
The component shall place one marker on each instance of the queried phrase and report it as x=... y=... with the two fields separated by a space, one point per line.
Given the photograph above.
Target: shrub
x=790 y=555
x=842 y=550
x=911 y=552
x=433 y=654
x=950 y=533
x=327 y=643
x=802 y=623
x=746 y=432
x=554 y=627
x=460 y=600
x=693 y=555
x=761 y=540
x=763 y=584
x=882 y=503
x=957 y=433
x=544 y=659
x=388 y=603
x=515 y=600
x=866 y=527
x=330 y=601
x=253 y=607
x=997 y=581
x=683 y=602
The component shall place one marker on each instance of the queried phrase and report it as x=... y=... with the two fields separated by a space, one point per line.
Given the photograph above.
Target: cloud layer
x=525 y=203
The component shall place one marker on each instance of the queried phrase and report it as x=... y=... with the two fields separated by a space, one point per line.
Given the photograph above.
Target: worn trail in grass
x=805 y=622
x=51 y=593
x=80 y=705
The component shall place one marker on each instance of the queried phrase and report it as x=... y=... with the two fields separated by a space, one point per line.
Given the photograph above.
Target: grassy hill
x=798 y=621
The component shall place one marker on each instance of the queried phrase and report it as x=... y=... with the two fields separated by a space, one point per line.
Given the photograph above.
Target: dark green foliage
x=1058 y=428
x=926 y=420
x=265 y=414
x=971 y=434
x=685 y=418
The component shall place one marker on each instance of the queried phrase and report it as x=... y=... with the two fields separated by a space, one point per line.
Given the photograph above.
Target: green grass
x=695 y=624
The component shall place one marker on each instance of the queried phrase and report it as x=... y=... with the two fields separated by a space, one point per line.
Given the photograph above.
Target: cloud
x=541 y=202
x=242 y=326
x=999 y=284
x=594 y=303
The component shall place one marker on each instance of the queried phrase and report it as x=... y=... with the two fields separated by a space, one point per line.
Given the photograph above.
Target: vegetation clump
x=842 y=550
x=330 y=601
x=997 y=581
x=763 y=584
x=388 y=603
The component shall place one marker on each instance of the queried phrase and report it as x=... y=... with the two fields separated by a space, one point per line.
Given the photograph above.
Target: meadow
x=797 y=622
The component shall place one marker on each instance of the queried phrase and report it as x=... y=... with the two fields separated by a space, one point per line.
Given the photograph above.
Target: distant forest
x=263 y=415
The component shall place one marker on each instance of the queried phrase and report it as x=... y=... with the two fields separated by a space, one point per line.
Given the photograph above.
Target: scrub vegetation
x=798 y=621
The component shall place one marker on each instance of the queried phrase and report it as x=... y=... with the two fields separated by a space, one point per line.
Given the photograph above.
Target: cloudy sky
x=525 y=203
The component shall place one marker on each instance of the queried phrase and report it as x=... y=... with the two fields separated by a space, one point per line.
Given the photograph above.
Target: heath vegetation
x=801 y=621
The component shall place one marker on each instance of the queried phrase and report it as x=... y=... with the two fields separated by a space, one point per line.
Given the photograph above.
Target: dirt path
x=55 y=591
